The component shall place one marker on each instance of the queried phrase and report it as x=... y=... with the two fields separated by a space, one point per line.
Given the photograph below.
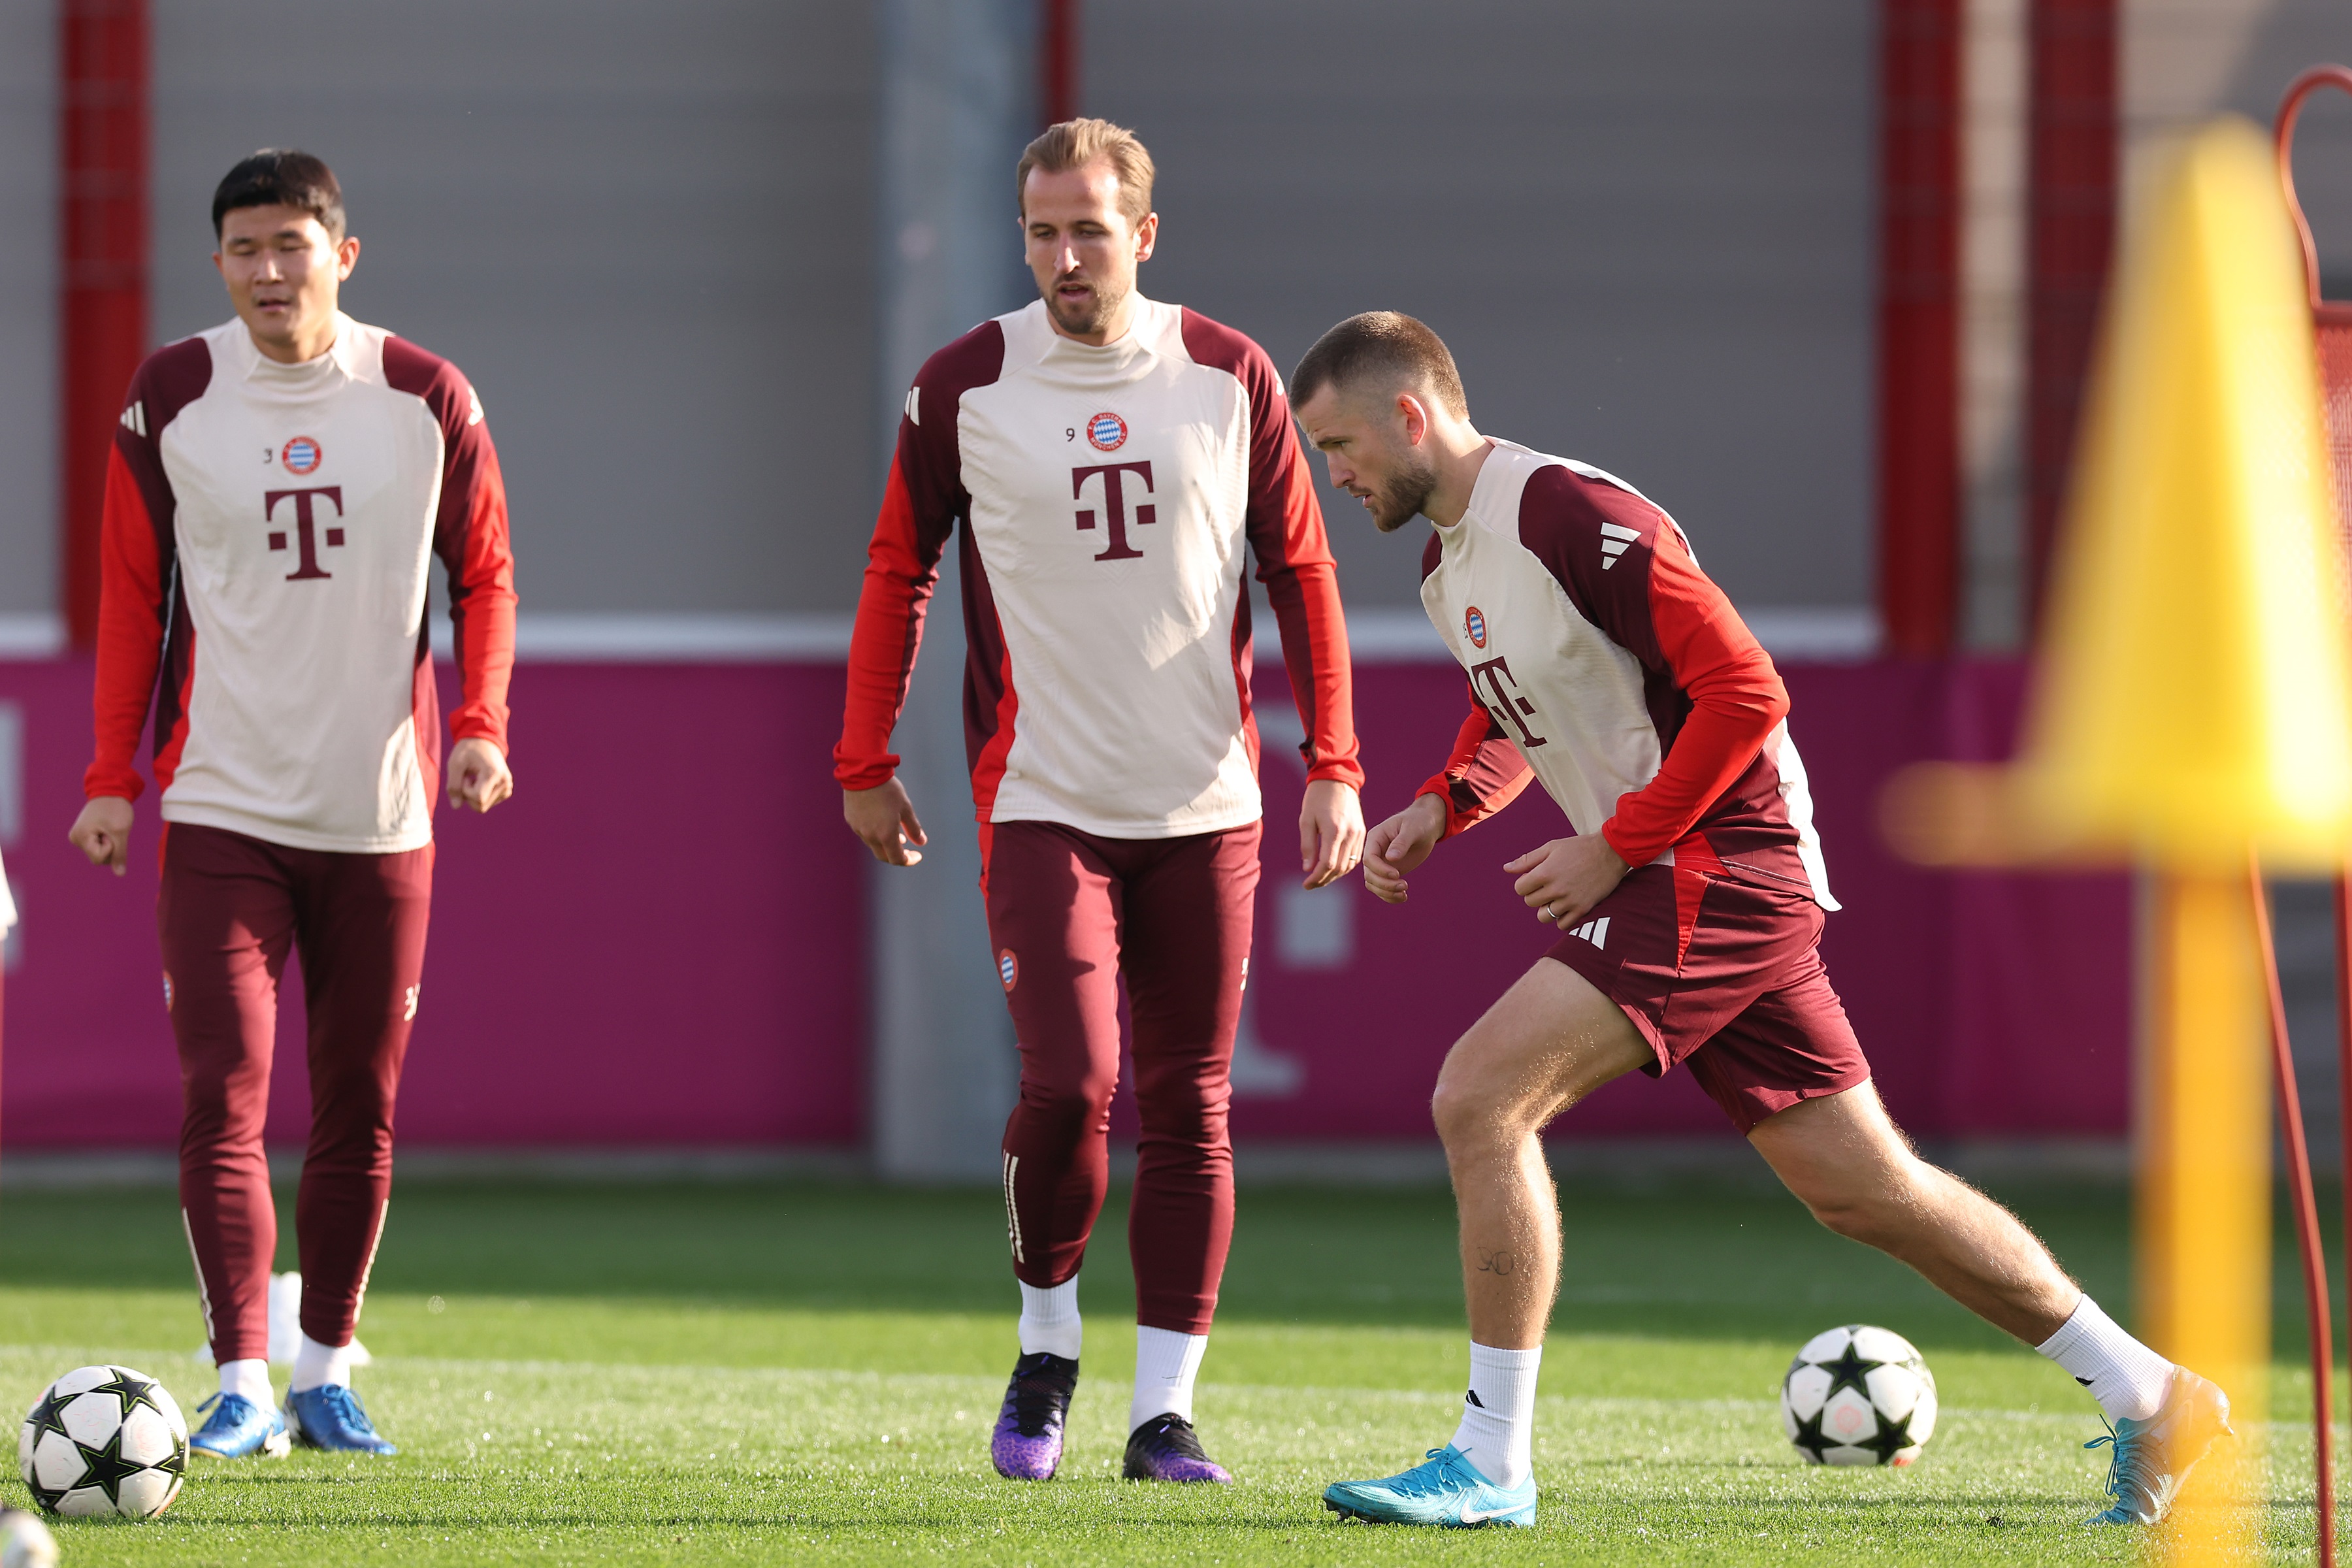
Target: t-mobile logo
x=1491 y=678
x=1114 y=505
x=307 y=545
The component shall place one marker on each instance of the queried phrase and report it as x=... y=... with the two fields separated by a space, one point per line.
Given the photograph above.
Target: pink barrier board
x=651 y=948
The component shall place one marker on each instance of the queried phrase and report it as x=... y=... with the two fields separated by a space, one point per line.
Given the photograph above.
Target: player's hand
x=103 y=832
x=885 y=818
x=1330 y=832
x=1563 y=880
x=479 y=776
x=1400 y=844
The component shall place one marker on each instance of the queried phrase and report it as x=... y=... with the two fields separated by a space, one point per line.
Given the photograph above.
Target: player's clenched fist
x=103 y=832
x=1565 y=878
x=1398 y=845
x=479 y=776
x=883 y=817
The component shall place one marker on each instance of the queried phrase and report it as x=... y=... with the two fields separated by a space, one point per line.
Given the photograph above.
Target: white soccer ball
x=25 y=1540
x=101 y=1440
x=1858 y=1395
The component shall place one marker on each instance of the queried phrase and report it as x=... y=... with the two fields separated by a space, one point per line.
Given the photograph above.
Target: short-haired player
x=1686 y=906
x=1111 y=464
x=277 y=489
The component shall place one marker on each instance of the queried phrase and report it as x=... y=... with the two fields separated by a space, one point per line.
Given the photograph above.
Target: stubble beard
x=1094 y=316
x=1400 y=500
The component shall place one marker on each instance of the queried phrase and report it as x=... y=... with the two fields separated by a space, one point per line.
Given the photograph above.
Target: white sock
x=316 y=1366
x=1049 y=1320
x=2128 y=1379
x=247 y=1380
x=1497 y=1434
x=1166 y=1362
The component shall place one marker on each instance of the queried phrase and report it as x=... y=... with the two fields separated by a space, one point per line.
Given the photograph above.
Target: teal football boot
x=238 y=1429
x=1448 y=1490
x=2152 y=1459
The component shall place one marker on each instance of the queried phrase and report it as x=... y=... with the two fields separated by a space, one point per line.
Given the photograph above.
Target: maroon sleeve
x=1285 y=524
x=1713 y=695
x=470 y=536
x=1486 y=772
x=143 y=629
x=921 y=499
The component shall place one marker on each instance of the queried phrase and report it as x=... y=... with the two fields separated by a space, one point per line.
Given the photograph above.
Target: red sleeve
x=131 y=621
x=469 y=535
x=1735 y=699
x=1285 y=524
x=1712 y=693
x=142 y=632
x=921 y=499
x=1485 y=774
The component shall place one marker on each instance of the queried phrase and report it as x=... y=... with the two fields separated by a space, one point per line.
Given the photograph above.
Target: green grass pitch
x=806 y=1371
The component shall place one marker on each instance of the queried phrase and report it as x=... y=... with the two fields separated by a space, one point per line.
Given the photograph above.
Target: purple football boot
x=1027 y=1443
x=1166 y=1448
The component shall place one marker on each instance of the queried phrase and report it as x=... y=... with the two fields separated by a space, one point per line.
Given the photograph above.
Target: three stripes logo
x=1594 y=931
x=1614 y=537
x=1012 y=1213
x=134 y=418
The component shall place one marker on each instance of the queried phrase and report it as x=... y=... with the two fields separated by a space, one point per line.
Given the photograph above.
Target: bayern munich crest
x=301 y=456
x=1008 y=968
x=1475 y=624
x=1106 y=432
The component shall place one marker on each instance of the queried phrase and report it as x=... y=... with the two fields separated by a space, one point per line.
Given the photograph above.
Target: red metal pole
x=2307 y=1225
x=1918 y=324
x=2071 y=222
x=102 y=147
x=1057 y=61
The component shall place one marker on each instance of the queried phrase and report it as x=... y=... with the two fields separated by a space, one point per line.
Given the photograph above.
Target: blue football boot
x=331 y=1417
x=1448 y=1491
x=238 y=1429
x=2152 y=1459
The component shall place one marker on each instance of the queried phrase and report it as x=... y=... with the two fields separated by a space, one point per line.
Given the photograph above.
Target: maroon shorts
x=1723 y=972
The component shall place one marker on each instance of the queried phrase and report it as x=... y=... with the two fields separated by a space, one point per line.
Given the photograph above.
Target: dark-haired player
x=278 y=489
x=1114 y=462
x=1688 y=906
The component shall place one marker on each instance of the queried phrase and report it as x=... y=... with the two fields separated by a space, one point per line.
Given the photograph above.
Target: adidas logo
x=134 y=418
x=1594 y=931
x=1472 y=1397
x=1614 y=537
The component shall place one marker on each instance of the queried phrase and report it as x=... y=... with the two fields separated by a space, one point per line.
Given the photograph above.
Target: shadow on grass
x=1717 y=1259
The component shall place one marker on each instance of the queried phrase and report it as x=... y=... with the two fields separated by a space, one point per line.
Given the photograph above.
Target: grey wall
x=644 y=231
x=28 y=344
x=1643 y=226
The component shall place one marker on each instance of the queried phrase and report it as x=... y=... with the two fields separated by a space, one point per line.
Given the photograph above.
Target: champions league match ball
x=1858 y=1395
x=104 y=1440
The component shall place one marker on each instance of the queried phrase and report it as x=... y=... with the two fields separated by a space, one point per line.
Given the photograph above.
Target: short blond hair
x=1074 y=144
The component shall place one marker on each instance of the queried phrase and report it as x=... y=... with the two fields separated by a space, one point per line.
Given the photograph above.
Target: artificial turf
x=760 y=1373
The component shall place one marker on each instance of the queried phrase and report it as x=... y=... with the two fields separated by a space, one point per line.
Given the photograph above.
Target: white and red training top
x=1107 y=495
x=268 y=532
x=1602 y=661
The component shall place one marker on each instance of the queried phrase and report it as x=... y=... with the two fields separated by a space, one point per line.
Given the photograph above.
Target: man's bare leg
x=1550 y=1040
x=1845 y=1159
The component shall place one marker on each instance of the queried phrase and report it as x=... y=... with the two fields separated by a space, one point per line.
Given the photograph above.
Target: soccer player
x=277 y=489
x=1110 y=460
x=1686 y=905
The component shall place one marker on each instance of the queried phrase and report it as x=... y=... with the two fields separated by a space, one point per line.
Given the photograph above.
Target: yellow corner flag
x=2194 y=701
x=2194 y=705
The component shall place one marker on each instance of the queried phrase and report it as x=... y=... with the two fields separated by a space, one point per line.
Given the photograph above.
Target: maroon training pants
x=1069 y=914
x=229 y=908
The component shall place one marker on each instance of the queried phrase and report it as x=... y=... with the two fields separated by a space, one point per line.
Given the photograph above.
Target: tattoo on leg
x=1495 y=1263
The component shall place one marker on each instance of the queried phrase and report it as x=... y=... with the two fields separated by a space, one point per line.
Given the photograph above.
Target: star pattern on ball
x=1849 y=1371
x=131 y=1389
x=107 y=1469
x=1809 y=1436
x=1891 y=1438
x=48 y=1416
